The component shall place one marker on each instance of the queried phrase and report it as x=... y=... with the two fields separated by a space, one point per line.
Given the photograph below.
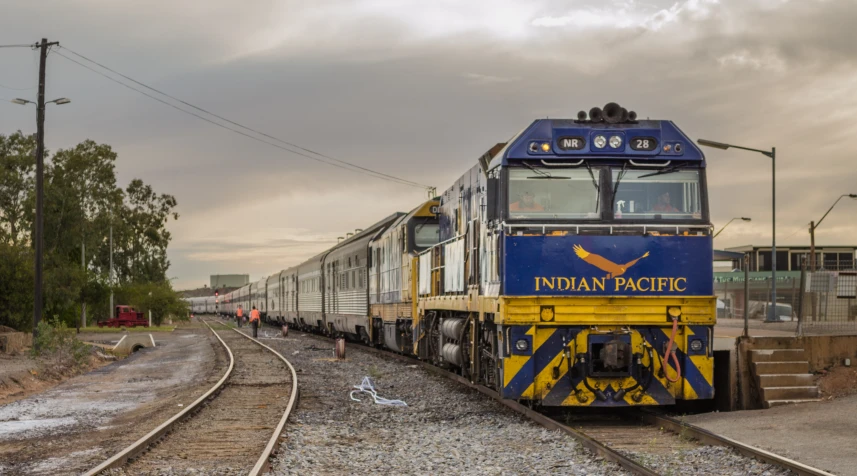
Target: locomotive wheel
x=339 y=349
x=433 y=338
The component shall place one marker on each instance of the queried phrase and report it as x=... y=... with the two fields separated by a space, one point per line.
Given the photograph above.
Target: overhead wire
x=224 y=126
x=348 y=165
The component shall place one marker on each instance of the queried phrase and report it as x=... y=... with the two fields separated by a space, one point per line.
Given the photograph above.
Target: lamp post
x=773 y=156
x=728 y=222
x=38 y=239
x=813 y=225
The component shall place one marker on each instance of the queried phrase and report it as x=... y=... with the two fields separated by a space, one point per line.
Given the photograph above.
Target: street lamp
x=38 y=239
x=813 y=225
x=727 y=224
x=773 y=155
x=55 y=101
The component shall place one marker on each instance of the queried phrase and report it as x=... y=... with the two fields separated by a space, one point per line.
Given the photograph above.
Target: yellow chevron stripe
x=541 y=336
x=512 y=365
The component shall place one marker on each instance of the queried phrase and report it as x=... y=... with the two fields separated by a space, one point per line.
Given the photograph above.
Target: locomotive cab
x=589 y=245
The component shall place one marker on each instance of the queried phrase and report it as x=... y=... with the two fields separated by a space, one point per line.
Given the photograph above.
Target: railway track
x=625 y=438
x=233 y=428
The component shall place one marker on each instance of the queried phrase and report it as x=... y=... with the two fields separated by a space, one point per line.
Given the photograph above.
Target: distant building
x=789 y=257
x=229 y=280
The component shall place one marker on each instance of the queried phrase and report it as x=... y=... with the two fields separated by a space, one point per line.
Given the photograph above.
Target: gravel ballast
x=445 y=428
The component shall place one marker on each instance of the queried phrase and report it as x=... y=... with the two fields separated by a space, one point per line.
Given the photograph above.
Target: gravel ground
x=84 y=420
x=706 y=461
x=445 y=429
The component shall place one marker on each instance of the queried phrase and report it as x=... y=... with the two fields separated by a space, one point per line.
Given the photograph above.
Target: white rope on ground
x=367 y=386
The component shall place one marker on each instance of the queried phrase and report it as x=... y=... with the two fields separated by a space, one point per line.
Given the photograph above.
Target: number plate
x=643 y=143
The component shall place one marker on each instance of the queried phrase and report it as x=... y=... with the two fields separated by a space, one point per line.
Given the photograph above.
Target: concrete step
x=789 y=393
x=777 y=403
x=785 y=380
x=777 y=355
x=765 y=368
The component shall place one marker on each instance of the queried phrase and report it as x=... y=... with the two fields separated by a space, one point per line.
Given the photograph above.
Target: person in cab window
x=664 y=204
x=527 y=203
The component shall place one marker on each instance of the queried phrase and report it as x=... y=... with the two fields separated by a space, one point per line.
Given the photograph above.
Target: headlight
x=615 y=142
x=522 y=345
x=599 y=141
x=696 y=345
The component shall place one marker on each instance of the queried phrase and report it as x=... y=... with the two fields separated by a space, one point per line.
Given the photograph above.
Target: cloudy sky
x=419 y=90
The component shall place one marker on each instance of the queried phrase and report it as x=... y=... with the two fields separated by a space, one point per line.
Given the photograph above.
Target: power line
x=373 y=173
x=229 y=128
x=17 y=46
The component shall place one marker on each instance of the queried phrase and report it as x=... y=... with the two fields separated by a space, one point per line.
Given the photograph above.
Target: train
x=569 y=266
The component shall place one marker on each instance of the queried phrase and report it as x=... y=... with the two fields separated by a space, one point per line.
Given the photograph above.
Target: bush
x=58 y=350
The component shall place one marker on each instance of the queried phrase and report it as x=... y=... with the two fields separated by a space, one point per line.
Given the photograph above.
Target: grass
x=105 y=330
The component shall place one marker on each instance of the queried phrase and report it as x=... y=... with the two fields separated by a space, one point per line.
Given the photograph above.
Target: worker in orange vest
x=254 y=321
x=239 y=315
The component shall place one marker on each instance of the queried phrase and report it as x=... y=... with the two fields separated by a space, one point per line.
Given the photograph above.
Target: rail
x=671 y=424
x=541 y=419
x=707 y=437
x=269 y=448
x=139 y=446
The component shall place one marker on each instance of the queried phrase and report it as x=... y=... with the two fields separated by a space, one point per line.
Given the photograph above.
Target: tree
x=16 y=296
x=158 y=297
x=148 y=214
x=17 y=167
x=82 y=203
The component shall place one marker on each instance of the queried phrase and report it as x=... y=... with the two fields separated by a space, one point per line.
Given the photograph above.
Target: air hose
x=669 y=354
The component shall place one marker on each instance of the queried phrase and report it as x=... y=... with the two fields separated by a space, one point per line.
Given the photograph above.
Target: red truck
x=125 y=316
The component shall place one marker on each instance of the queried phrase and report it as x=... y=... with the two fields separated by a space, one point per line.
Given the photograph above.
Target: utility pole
x=83 y=265
x=773 y=156
x=111 y=266
x=38 y=237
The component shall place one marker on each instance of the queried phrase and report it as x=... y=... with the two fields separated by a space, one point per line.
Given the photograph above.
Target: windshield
x=548 y=192
x=426 y=234
x=673 y=195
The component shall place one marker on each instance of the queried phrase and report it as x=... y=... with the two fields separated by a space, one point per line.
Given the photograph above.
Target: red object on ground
x=125 y=316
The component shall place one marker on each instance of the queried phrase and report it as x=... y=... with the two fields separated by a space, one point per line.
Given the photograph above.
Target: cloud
x=482 y=79
x=421 y=89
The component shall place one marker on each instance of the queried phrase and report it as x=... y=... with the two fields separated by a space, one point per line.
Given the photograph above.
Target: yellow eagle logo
x=604 y=264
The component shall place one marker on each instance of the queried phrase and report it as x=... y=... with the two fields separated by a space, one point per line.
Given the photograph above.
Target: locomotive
x=570 y=266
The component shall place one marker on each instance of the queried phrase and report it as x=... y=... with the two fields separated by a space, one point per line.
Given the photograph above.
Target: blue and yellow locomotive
x=575 y=266
x=572 y=266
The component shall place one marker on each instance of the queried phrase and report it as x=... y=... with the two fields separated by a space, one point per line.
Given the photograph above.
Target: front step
x=785 y=380
x=765 y=368
x=779 y=403
x=778 y=355
x=783 y=377
x=789 y=393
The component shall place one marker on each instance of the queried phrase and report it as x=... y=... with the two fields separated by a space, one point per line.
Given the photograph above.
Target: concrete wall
x=821 y=351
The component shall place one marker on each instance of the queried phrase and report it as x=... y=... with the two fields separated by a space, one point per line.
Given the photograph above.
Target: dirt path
x=81 y=422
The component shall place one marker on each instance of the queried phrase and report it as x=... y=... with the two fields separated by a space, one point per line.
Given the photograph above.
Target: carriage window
x=426 y=235
x=542 y=192
x=667 y=196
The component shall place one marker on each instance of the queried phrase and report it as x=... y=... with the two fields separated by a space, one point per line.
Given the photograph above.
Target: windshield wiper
x=619 y=177
x=542 y=174
x=667 y=170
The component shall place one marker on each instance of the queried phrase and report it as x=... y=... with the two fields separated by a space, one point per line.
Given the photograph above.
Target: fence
x=826 y=303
